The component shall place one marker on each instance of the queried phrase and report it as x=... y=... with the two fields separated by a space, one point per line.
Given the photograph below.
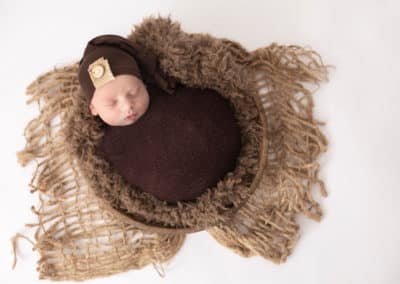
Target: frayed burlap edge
x=264 y=226
x=76 y=238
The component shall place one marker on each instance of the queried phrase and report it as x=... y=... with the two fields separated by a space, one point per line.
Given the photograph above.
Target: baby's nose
x=128 y=108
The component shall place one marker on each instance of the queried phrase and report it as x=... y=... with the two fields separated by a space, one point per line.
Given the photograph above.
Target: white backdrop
x=356 y=241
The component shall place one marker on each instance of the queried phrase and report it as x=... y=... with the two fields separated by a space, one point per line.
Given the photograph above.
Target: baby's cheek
x=110 y=115
x=115 y=115
x=145 y=105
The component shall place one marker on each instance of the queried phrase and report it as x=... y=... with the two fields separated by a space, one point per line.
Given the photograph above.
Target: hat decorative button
x=100 y=72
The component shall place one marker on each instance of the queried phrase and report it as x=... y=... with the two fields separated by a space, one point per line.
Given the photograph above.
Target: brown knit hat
x=106 y=56
x=118 y=55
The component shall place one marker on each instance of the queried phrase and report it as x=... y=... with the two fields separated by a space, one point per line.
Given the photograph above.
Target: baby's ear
x=93 y=109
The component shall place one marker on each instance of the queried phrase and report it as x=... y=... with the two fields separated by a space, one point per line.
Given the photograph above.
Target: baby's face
x=121 y=101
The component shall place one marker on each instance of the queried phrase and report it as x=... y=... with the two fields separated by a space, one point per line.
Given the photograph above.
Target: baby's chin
x=124 y=122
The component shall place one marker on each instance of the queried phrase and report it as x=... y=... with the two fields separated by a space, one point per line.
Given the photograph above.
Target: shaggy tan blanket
x=92 y=224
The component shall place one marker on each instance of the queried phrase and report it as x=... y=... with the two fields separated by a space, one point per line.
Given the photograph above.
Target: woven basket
x=216 y=205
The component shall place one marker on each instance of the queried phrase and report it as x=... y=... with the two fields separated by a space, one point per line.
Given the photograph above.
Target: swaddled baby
x=170 y=140
x=120 y=102
x=118 y=96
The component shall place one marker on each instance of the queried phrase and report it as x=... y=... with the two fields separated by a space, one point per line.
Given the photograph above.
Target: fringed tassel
x=71 y=221
x=14 y=240
x=266 y=224
x=52 y=93
x=285 y=72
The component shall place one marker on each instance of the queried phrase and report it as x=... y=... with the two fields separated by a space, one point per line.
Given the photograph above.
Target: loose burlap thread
x=78 y=238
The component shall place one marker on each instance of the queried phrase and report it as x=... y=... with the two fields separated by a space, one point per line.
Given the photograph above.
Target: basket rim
x=263 y=149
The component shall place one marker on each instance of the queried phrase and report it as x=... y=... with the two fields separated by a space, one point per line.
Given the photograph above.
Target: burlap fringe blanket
x=78 y=239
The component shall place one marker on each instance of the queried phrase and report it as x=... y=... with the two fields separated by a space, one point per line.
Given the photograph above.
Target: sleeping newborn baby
x=118 y=95
x=167 y=139
x=121 y=101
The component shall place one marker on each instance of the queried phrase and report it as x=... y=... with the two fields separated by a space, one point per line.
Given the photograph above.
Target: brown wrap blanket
x=185 y=143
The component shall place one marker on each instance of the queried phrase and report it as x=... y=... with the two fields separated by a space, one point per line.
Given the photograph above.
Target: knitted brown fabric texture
x=184 y=143
x=120 y=61
x=125 y=57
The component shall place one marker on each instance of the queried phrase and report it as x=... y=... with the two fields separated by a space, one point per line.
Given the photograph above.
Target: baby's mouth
x=131 y=116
